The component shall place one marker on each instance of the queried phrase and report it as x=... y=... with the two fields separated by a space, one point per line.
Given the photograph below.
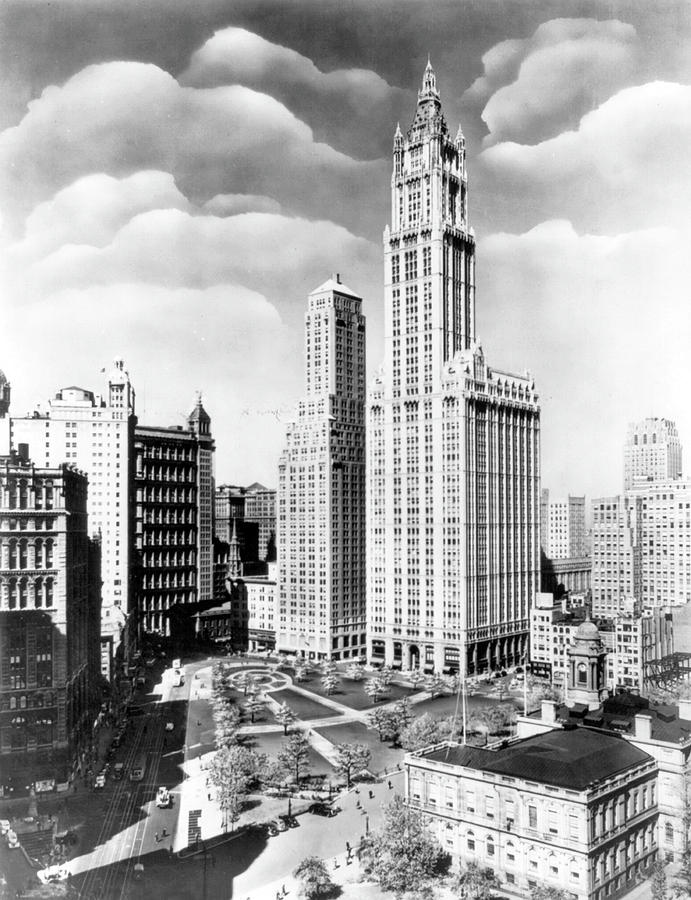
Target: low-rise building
x=572 y=809
x=635 y=639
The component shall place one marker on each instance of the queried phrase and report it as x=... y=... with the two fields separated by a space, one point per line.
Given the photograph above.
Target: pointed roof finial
x=429 y=83
x=398 y=136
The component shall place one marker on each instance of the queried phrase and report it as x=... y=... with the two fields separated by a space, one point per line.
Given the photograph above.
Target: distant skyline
x=176 y=178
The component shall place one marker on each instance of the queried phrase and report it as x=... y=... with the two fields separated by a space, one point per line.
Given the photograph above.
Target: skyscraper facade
x=562 y=525
x=453 y=444
x=321 y=492
x=95 y=432
x=172 y=520
x=50 y=688
x=652 y=452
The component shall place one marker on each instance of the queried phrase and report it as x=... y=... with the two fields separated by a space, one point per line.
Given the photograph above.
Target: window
x=490 y=846
x=669 y=833
x=471 y=840
x=532 y=816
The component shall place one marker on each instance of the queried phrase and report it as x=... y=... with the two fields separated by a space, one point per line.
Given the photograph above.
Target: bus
x=138 y=768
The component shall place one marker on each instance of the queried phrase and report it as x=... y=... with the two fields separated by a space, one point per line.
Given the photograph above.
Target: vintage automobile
x=163 y=798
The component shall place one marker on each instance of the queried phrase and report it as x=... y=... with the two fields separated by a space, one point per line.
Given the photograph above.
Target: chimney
x=548 y=712
x=23 y=452
x=685 y=709
x=643 y=726
x=336 y=277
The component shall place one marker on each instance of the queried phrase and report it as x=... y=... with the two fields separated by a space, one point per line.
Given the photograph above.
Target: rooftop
x=571 y=759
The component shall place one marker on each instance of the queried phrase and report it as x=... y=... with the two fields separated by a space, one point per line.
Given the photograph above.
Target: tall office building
x=321 y=492
x=172 y=518
x=49 y=623
x=563 y=533
x=95 y=432
x=453 y=444
x=260 y=511
x=652 y=452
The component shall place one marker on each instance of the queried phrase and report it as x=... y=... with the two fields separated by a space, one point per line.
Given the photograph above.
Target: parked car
x=163 y=798
x=12 y=840
x=100 y=782
x=118 y=771
x=322 y=809
x=4 y=826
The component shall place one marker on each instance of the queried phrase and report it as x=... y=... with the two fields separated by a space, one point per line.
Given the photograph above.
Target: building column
x=388 y=651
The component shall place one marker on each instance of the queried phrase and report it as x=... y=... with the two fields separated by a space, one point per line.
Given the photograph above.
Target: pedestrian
x=390 y=785
x=209 y=797
x=283 y=890
x=357 y=790
x=156 y=837
x=198 y=723
x=336 y=866
x=348 y=846
x=358 y=805
x=371 y=795
x=164 y=833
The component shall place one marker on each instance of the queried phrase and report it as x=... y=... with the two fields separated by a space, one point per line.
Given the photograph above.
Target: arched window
x=13 y=555
x=669 y=833
x=23 y=495
x=49 y=554
x=49 y=591
x=12 y=593
x=38 y=592
x=470 y=838
x=23 y=555
x=582 y=673
x=490 y=846
x=23 y=593
x=38 y=553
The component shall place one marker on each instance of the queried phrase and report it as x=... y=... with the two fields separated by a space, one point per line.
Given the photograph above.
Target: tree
x=253 y=706
x=658 y=882
x=354 y=672
x=314 y=878
x=330 y=682
x=424 y=732
x=285 y=716
x=294 y=756
x=383 y=721
x=475 y=883
x=403 y=855
x=327 y=666
x=415 y=678
x=229 y=781
x=302 y=670
x=403 y=716
x=436 y=686
x=351 y=759
x=374 y=688
x=682 y=880
x=247 y=682
x=386 y=674
x=227 y=722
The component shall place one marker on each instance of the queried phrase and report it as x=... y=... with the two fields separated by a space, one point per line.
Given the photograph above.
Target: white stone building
x=652 y=452
x=321 y=493
x=453 y=444
x=95 y=433
x=562 y=526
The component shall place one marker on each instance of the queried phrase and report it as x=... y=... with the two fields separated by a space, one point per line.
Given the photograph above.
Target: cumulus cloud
x=354 y=109
x=266 y=252
x=218 y=340
x=565 y=304
x=534 y=88
x=627 y=165
x=122 y=117
x=232 y=204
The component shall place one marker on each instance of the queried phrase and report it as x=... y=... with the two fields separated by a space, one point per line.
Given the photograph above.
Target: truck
x=178 y=677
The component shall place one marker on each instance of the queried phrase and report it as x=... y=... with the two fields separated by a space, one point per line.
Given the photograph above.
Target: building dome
x=587 y=631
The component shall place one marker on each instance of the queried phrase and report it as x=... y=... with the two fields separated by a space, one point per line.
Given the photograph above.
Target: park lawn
x=384 y=756
x=352 y=693
x=304 y=707
x=446 y=705
x=271 y=743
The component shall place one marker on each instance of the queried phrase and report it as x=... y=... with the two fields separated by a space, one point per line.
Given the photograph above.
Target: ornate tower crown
x=428 y=115
x=429 y=85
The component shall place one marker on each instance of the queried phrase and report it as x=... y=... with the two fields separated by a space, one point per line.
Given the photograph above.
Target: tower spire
x=429 y=84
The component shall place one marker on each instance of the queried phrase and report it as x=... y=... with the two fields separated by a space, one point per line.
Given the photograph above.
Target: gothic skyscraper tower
x=453 y=445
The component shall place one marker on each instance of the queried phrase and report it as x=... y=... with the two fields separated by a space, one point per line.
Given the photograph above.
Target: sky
x=176 y=177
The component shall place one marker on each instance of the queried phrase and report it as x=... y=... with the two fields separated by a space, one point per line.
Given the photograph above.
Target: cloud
x=227 y=341
x=588 y=315
x=121 y=117
x=93 y=208
x=270 y=253
x=534 y=88
x=354 y=109
x=232 y=204
x=627 y=165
